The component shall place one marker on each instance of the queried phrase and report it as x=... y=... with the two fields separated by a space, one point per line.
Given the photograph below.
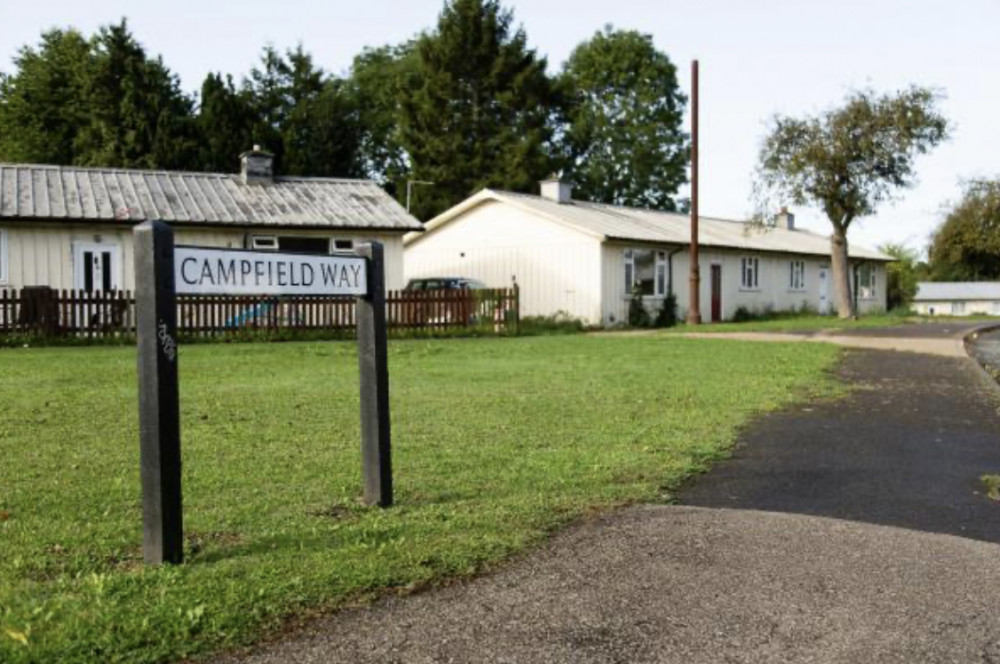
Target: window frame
x=264 y=242
x=797 y=275
x=867 y=291
x=745 y=261
x=659 y=270
x=957 y=308
x=334 y=241
x=4 y=258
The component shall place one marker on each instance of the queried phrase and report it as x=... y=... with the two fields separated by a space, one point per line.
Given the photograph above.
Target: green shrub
x=667 y=316
x=637 y=314
x=560 y=322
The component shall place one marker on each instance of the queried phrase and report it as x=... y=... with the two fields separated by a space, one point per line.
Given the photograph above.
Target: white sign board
x=199 y=270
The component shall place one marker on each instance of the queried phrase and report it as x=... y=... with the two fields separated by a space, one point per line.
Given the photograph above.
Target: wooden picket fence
x=46 y=312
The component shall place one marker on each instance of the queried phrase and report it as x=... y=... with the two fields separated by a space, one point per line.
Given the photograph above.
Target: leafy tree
x=307 y=118
x=42 y=104
x=624 y=112
x=849 y=160
x=138 y=116
x=378 y=80
x=966 y=247
x=478 y=107
x=225 y=124
x=902 y=275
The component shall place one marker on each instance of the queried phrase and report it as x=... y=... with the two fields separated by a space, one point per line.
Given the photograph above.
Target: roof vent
x=555 y=189
x=785 y=219
x=257 y=166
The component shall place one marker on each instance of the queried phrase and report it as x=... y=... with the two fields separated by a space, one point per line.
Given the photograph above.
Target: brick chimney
x=257 y=166
x=785 y=219
x=555 y=189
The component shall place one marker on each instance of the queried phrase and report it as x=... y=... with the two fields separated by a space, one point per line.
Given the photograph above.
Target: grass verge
x=810 y=323
x=497 y=442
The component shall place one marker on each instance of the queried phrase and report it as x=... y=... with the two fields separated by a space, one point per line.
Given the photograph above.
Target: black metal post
x=159 y=416
x=373 y=363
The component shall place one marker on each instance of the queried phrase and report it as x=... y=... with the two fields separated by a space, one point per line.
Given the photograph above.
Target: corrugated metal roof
x=61 y=193
x=624 y=223
x=928 y=291
x=634 y=224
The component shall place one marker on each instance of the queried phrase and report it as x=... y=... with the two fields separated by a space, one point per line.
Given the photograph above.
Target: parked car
x=444 y=283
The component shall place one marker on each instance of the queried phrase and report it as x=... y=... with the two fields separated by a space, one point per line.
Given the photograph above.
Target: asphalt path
x=849 y=531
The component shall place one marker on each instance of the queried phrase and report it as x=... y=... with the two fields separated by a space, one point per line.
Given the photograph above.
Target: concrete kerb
x=966 y=339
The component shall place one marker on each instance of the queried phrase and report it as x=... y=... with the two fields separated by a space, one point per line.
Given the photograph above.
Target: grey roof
x=928 y=291
x=61 y=193
x=615 y=222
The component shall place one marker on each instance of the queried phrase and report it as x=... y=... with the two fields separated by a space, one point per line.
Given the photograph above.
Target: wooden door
x=716 y=293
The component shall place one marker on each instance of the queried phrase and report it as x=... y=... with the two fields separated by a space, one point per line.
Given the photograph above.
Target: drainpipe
x=670 y=269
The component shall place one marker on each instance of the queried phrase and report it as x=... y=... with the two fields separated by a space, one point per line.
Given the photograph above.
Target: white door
x=96 y=267
x=824 y=290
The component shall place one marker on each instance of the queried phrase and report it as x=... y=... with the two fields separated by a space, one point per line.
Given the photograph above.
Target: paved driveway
x=719 y=580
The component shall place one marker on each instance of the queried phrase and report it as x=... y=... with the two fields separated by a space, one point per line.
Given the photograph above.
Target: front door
x=95 y=267
x=716 y=293
x=824 y=290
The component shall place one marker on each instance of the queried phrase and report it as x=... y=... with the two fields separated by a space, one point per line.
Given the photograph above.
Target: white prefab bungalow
x=583 y=259
x=957 y=298
x=71 y=228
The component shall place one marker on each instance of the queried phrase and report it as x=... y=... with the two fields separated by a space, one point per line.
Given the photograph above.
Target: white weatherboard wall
x=557 y=268
x=773 y=292
x=42 y=254
x=948 y=307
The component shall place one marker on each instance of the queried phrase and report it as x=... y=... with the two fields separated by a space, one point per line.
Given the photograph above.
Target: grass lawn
x=497 y=442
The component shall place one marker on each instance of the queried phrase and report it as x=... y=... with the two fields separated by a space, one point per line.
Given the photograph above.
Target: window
x=797 y=275
x=645 y=272
x=866 y=281
x=343 y=245
x=749 y=273
x=266 y=242
x=958 y=308
x=4 y=258
x=304 y=245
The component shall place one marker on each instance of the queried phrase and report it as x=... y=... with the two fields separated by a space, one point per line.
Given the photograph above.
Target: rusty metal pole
x=694 y=298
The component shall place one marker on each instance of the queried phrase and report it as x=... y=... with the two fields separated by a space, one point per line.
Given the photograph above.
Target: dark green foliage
x=42 y=105
x=966 y=247
x=624 y=137
x=901 y=277
x=307 y=118
x=637 y=314
x=379 y=79
x=558 y=323
x=667 y=315
x=138 y=116
x=477 y=107
x=225 y=124
x=743 y=315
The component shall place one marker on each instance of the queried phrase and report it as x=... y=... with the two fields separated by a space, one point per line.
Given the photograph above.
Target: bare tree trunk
x=841 y=272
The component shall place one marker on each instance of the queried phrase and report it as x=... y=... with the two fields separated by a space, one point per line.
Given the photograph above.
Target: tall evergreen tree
x=624 y=138
x=225 y=124
x=42 y=104
x=138 y=115
x=304 y=116
x=477 y=110
x=379 y=79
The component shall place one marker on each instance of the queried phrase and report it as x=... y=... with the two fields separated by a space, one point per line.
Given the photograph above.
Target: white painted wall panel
x=42 y=254
x=557 y=268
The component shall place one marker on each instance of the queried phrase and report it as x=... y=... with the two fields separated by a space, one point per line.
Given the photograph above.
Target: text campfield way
x=217 y=271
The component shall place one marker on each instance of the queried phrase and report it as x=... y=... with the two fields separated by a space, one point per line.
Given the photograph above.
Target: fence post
x=517 y=309
x=159 y=416
x=373 y=363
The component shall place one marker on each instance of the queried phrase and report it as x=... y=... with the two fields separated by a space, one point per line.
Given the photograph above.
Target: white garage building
x=582 y=259
x=957 y=298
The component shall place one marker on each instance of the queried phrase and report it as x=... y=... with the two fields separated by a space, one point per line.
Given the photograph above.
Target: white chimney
x=257 y=166
x=785 y=219
x=557 y=190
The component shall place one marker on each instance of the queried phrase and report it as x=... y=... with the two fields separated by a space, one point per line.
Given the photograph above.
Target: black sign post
x=373 y=363
x=212 y=271
x=159 y=415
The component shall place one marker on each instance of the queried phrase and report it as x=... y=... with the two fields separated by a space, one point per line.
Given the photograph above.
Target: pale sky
x=757 y=59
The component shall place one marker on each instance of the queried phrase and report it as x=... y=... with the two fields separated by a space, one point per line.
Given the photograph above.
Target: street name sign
x=162 y=271
x=202 y=270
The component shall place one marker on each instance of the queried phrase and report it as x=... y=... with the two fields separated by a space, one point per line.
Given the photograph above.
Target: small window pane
x=343 y=244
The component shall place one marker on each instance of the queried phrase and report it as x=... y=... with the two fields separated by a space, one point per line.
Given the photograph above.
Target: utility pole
x=694 y=298
x=409 y=189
